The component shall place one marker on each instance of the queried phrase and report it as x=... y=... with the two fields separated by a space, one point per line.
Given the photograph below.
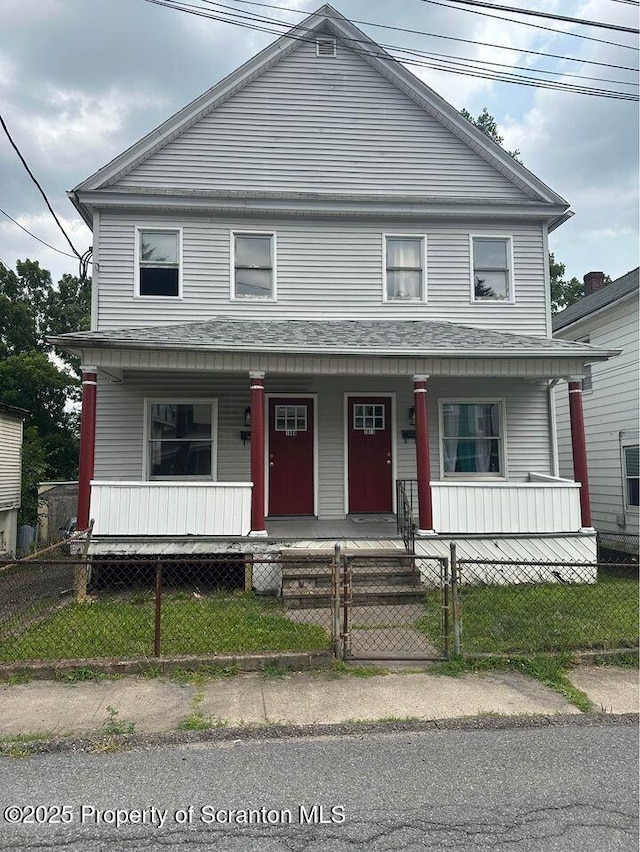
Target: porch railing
x=171 y=508
x=407 y=510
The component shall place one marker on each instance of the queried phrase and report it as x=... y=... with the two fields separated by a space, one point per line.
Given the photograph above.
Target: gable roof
x=602 y=298
x=419 y=338
x=325 y=20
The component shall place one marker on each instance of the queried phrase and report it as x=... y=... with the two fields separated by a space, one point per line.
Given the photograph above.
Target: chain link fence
x=618 y=547
x=524 y=607
x=152 y=606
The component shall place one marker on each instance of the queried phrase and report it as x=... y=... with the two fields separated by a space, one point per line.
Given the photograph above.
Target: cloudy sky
x=81 y=80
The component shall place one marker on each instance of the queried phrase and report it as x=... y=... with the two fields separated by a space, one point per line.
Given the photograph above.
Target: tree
x=489 y=126
x=31 y=308
x=563 y=293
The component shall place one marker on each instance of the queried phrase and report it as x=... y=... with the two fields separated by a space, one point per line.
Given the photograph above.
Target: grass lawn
x=551 y=617
x=218 y=623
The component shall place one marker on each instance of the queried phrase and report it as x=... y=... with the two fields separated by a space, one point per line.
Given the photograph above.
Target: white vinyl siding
x=610 y=413
x=10 y=460
x=120 y=422
x=326 y=269
x=313 y=124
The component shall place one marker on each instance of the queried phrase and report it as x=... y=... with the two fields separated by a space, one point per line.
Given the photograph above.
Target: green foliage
x=563 y=293
x=32 y=308
x=114 y=725
x=488 y=125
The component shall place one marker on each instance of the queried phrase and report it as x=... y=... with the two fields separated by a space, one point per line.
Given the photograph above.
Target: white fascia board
x=285 y=204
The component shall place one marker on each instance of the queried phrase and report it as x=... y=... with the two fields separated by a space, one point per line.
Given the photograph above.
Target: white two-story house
x=318 y=290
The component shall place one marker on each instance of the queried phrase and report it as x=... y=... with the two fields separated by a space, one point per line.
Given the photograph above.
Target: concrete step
x=304 y=597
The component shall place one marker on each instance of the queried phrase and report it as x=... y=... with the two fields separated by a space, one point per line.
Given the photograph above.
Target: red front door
x=291 y=456
x=369 y=448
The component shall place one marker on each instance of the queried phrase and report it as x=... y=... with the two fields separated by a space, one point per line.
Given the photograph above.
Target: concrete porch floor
x=355 y=532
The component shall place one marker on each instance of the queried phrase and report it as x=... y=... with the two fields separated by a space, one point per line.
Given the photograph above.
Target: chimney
x=593 y=281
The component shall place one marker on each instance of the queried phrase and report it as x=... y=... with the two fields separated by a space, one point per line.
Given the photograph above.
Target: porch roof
x=417 y=338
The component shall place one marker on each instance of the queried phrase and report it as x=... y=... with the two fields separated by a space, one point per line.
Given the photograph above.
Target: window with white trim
x=472 y=438
x=492 y=274
x=158 y=262
x=253 y=265
x=181 y=439
x=368 y=418
x=630 y=473
x=404 y=262
x=587 y=373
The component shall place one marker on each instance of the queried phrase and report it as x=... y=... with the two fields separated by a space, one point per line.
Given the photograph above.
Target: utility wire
x=549 y=15
x=429 y=54
x=530 y=24
x=455 y=38
x=250 y=22
x=36 y=237
x=42 y=192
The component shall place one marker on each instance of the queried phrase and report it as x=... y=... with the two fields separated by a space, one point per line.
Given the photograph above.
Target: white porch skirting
x=171 y=508
x=506 y=507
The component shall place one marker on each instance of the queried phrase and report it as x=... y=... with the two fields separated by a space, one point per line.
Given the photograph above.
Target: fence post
x=336 y=637
x=445 y=579
x=81 y=570
x=455 y=602
x=158 y=610
x=347 y=601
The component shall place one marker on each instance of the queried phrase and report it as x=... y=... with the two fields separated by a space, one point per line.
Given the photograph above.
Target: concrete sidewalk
x=156 y=705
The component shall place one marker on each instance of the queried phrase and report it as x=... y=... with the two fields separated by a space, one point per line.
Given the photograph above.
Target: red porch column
x=579 y=449
x=257 y=454
x=425 y=512
x=87 y=444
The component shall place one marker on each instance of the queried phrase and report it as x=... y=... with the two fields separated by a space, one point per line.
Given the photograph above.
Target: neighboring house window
x=253 y=266
x=472 y=438
x=492 y=269
x=158 y=262
x=181 y=439
x=630 y=465
x=404 y=267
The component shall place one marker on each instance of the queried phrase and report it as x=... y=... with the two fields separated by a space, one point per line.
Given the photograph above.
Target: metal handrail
x=407 y=505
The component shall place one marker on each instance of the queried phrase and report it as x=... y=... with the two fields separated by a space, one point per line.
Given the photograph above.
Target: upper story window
x=587 y=374
x=472 y=438
x=181 y=439
x=253 y=266
x=404 y=268
x=158 y=262
x=492 y=273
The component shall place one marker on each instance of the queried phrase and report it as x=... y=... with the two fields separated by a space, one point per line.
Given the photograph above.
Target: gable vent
x=325 y=47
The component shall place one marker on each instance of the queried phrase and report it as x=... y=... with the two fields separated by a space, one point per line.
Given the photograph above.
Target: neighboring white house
x=607 y=316
x=11 y=432
x=313 y=283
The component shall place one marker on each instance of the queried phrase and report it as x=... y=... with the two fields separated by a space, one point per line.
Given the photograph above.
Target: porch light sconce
x=412 y=416
x=245 y=434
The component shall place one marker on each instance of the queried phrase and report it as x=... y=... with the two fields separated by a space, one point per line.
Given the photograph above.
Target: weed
x=272 y=671
x=83 y=674
x=17 y=679
x=114 y=725
x=339 y=667
x=622 y=660
x=199 y=721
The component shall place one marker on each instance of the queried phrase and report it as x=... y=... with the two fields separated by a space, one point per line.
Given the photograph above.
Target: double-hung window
x=492 y=273
x=158 y=262
x=404 y=266
x=472 y=438
x=253 y=266
x=181 y=439
x=630 y=471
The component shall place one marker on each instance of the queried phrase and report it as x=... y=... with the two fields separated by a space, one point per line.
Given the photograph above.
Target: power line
x=429 y=53
x=566 y=18
x=42 y=192
x=36 y=237
x=530 y=24
x=456 y=38
x=250 y=22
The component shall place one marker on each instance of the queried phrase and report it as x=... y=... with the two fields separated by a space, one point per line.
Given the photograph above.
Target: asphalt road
x=568 y=787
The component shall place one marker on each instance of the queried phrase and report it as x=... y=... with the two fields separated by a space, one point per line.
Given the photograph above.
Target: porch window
x=253 y=266
x=492 y=273
x=472 y=440
x=404 y=268
x=158 y=269
x=181 y=440
x=631 y=477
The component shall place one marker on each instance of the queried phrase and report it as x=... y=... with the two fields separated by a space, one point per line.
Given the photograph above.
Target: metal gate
x=390 y=607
